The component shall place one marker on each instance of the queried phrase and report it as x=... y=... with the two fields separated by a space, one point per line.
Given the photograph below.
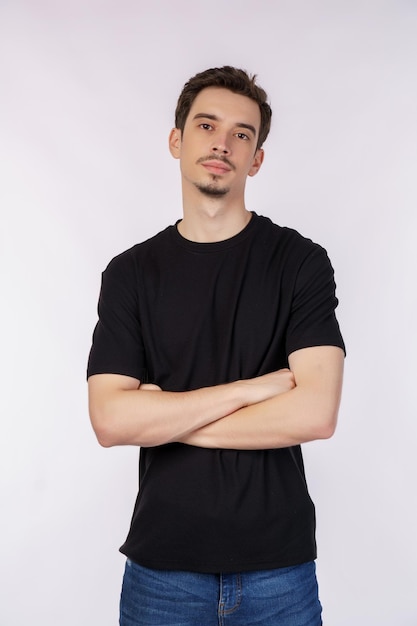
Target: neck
x=213 y=224
x=207 y=220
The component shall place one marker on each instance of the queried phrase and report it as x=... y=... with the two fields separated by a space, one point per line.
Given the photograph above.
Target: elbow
x=327 y=431
x=326 y=426
x=104 y=432
x=105 y=439
x=110 y=431
x=104 y=426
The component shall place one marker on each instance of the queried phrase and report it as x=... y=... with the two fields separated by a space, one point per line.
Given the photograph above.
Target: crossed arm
x=280 y=409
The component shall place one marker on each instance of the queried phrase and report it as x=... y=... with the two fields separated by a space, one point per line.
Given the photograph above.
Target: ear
x=257 y=162
x=174 y=143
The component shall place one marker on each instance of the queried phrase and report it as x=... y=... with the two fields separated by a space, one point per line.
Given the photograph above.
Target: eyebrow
x=210 y=116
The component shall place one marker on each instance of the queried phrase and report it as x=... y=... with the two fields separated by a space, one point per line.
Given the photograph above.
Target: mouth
x=216 y=167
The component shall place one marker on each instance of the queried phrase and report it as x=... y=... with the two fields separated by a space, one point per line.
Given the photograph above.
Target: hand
x=267 y=386
x=149 y=387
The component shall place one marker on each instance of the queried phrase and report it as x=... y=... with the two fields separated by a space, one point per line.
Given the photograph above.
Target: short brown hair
x=236 y=80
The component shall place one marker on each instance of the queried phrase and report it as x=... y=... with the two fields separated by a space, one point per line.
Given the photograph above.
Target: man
x=218 y=352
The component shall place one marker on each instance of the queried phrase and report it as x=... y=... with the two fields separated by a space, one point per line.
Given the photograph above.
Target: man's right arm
x=123 y=412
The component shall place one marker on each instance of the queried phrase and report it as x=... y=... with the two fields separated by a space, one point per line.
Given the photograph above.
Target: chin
x=212 y=190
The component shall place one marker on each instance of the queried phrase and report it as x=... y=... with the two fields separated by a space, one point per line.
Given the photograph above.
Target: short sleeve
x=313 y=320
x=117 y=346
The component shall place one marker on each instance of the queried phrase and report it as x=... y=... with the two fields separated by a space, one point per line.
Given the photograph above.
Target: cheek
x=188 y=153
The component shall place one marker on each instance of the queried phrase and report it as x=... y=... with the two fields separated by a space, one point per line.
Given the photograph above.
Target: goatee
x=212 y=190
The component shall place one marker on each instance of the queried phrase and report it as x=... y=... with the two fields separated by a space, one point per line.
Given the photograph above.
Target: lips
x=216 y=167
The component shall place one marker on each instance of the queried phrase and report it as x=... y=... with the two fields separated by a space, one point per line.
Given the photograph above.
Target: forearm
x=304 y=413
x=123 y=413
x=150 y=418
x=285 y=420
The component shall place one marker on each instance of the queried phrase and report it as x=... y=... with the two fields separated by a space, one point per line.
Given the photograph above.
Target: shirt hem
x=222 y=567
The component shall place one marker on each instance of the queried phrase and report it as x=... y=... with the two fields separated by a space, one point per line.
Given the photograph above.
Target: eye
x=206 y=126
x=243 y=136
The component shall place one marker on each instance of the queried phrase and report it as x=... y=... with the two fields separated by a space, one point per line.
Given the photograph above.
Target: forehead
x=226 y=106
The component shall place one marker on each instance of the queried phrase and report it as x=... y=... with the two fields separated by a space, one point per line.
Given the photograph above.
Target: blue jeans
x=281 y=597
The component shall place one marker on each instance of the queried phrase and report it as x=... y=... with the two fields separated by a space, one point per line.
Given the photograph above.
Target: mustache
x=216 y=157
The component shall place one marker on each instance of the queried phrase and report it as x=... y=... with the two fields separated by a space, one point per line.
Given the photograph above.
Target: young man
x=218 y=352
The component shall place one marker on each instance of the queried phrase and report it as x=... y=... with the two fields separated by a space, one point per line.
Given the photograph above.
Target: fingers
x=150 y=387
x=283 y=380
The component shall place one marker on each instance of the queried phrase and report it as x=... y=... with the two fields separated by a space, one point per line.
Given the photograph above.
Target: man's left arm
x=306 y=413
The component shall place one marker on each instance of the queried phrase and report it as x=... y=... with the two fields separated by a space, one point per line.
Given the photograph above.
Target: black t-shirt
x=185 y=315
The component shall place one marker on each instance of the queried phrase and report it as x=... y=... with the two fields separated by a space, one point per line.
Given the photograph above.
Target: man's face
x=217 y=149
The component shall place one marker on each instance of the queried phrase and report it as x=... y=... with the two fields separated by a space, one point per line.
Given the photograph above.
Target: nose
x=220 y=144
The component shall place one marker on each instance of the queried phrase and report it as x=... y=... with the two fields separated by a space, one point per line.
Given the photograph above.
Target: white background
x=88 y=90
